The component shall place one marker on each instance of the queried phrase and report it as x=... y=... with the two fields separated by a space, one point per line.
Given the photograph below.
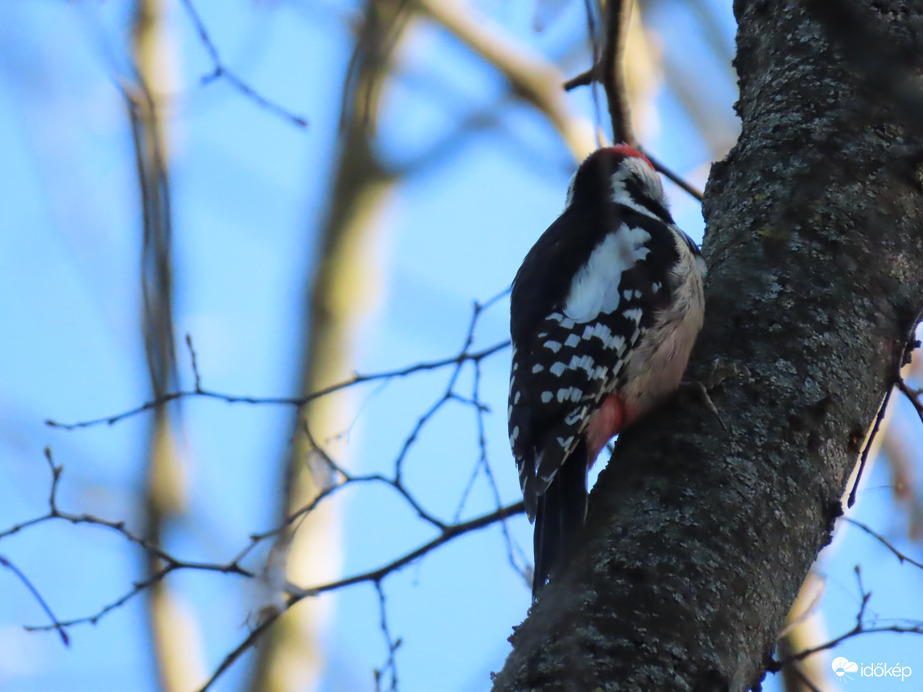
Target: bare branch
x=195 y=366
x=913 y=396
x=885 y=542
x=613 y=73
x=447 y=532
x=374 y=576
x=854 y=632
x=392 y=644
x=860 y=627
x=221 y=71
x=879 y=417
x=5 y=562
x=474 y=356
x=608 y=69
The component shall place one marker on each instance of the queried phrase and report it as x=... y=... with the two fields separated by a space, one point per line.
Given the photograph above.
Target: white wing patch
x=595 y=288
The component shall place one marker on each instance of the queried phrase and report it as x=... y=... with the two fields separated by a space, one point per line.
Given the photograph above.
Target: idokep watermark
x=847 y=670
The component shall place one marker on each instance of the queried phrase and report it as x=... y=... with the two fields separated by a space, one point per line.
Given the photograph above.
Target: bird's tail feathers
x=559 y=518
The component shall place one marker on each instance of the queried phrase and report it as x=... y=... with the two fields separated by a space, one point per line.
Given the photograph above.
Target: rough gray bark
x=699 y=538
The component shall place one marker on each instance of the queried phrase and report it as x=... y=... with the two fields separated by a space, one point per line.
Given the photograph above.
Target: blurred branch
x=686 y=81
x=904 y=473
x=342 y=285
x=694 y=86
x=173 y=633
x=803 y=628
x=221 y=71
x=533 y=78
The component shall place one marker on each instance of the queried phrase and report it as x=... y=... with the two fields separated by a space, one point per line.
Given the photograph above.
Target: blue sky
x=249 y=195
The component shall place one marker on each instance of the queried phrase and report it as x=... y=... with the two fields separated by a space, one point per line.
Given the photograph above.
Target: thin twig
x=375 y=575
x=195 y=365
x=220 y=70
x=854 y=632
x=913 y=396
x=392 y=644
x=884 y=541
x=56 y=624
x=859 y=629
x=295 y=593
x=879 y=417
x=281 y=400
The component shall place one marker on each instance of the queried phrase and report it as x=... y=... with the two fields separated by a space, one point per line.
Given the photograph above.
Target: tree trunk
x=698 y=538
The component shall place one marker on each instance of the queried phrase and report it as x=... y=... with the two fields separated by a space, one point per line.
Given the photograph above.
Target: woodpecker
x=604 y=312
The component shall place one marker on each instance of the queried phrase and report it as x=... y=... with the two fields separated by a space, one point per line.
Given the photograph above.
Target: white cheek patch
x=595 y=288
x=640 y=172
